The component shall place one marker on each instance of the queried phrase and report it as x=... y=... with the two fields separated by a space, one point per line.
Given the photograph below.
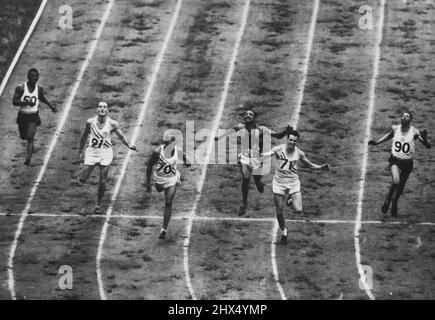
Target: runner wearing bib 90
x=401 y=158
x=166 y=176
x=27 y=96
x=251 y=148
x=99 y=151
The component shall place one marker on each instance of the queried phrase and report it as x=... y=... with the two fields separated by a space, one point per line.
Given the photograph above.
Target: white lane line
x=300 y=93
x=22 y=46
x=25 y=212
x=210 y=146
x=365 y=153
x=137 y=128
x=200 y=218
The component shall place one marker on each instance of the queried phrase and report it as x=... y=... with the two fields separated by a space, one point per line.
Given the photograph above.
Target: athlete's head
x=33 y=76
x=249 y=115
x=292 y=139
x=168 y=138
x=102 y=109
x=406 y=117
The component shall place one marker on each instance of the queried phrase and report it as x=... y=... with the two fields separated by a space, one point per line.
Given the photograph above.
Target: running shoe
x=162 y=235
x=242 y=211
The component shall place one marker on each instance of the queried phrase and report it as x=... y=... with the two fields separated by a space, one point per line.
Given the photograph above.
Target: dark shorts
x=405 y=166
x=23 y=121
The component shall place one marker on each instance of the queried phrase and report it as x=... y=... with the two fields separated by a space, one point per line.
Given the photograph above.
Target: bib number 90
x=399 y=147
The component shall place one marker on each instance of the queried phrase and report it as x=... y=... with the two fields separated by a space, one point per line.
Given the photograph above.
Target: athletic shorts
x=166 y=182
x=405 y=166
x=286 y=188
x=253 y=163
x=101 y=156
x=23 y=120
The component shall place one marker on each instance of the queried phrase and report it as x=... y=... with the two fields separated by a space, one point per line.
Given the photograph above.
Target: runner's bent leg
x=279 y=204
x=169 y=196
x=31 y=131
x=246 y=178
x=104 y=170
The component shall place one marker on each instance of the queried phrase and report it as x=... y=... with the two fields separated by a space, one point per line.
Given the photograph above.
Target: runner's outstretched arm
x=387 y=137
x=236 y=129
x=281 y=134
x=45 y=100
x=83 y=140
x=269 y=153
x=121 y=136
x=314 y=166
x=423 y=139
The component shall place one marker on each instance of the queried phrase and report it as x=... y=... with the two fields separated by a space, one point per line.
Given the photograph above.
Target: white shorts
x=101 y=156
x=166 y=182
x=253 y=163
x=286 y=188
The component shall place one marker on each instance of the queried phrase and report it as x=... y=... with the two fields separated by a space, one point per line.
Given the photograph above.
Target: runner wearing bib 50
x=27 y=96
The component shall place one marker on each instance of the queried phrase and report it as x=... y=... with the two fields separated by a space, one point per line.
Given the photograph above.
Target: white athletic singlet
x=287 y=170
x=166 y=167
x=32 y=97
x=403 y=146
x=100 y=138
x=251 y=141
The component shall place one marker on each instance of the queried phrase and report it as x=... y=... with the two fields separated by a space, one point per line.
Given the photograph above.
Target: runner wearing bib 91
x=401 y=158
x=286 y=179
x=99 y=151
x=166 y=176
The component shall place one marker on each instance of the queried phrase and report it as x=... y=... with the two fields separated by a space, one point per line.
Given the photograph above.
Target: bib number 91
x=97 y=143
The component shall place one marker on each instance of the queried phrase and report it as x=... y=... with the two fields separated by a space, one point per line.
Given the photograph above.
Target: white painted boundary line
x=137 y=128
x=210 y=146
x=300 y=93
x=199 y=218
x=24 y=214
x=365 y=152
x=22 y=46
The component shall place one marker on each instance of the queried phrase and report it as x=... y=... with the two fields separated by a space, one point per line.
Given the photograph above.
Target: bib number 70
x=167 y=169
x=399 y=147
